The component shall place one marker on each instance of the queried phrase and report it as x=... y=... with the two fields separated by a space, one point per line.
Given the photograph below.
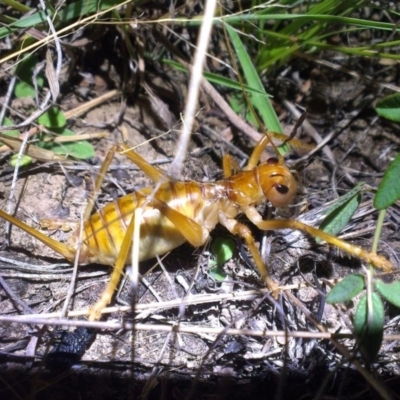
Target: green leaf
x=82 y=150
x=261 y=101
x=71 y=11
x=389 y=107
x=389 y=189
x=78 y=149
x=223 y=249
x=368 y=326
x=52 y=118
x=346 y=289
x=340 y=213
x=24 y=161
x=343 y=199
x=217 y=273
x=213 y=78
x=12 y=133
x=24 y=70
x=23 y=89
x=389 y=291
x=337 y=220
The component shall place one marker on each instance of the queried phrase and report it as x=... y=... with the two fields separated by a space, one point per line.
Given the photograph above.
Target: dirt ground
x=152 y=360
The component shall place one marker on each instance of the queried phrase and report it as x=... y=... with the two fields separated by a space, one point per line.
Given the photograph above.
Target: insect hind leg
x=116 y=274
x=99 y=182
x=191 y=230
x=152 y=172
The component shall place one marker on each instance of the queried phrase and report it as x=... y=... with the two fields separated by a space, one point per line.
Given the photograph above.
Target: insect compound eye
x=282 y=189
x=272 y=161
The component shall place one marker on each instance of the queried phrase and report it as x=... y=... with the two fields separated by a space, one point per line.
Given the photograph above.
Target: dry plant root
x=178 y=211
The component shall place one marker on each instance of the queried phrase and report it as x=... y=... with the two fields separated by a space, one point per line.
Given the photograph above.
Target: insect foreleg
x=373 y=258
x=237 y=228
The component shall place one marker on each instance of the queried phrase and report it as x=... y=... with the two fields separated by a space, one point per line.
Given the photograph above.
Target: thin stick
x=71 y=289
x=194 y=86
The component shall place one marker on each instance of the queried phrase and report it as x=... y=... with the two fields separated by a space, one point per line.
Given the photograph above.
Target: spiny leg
x=243 y=231
x=98 y=183
x=152 y=172
x=191 y=230
x=108 y=293
x=373 y=258
x=58 y=247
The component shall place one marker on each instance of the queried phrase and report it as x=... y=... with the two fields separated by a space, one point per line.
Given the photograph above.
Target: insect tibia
x=380 y=262
x=58 y=247
x=58 y=224
x=373 y=258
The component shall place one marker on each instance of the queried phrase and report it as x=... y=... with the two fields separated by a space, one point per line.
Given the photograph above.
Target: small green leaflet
x=389 y=107
x=222 y=248
x=81 y=149
x=346 y=289
x=389 y=189
x=53 y=118
x=23 y=162
x=368 y=326
x=340 y=213
x=389 y=291
x=217 y=273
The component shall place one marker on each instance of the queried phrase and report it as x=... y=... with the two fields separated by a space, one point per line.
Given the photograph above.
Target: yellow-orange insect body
x=105 y=230
x=176 y=212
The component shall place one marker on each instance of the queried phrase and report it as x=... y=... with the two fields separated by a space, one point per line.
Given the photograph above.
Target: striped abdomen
x=105 y=230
